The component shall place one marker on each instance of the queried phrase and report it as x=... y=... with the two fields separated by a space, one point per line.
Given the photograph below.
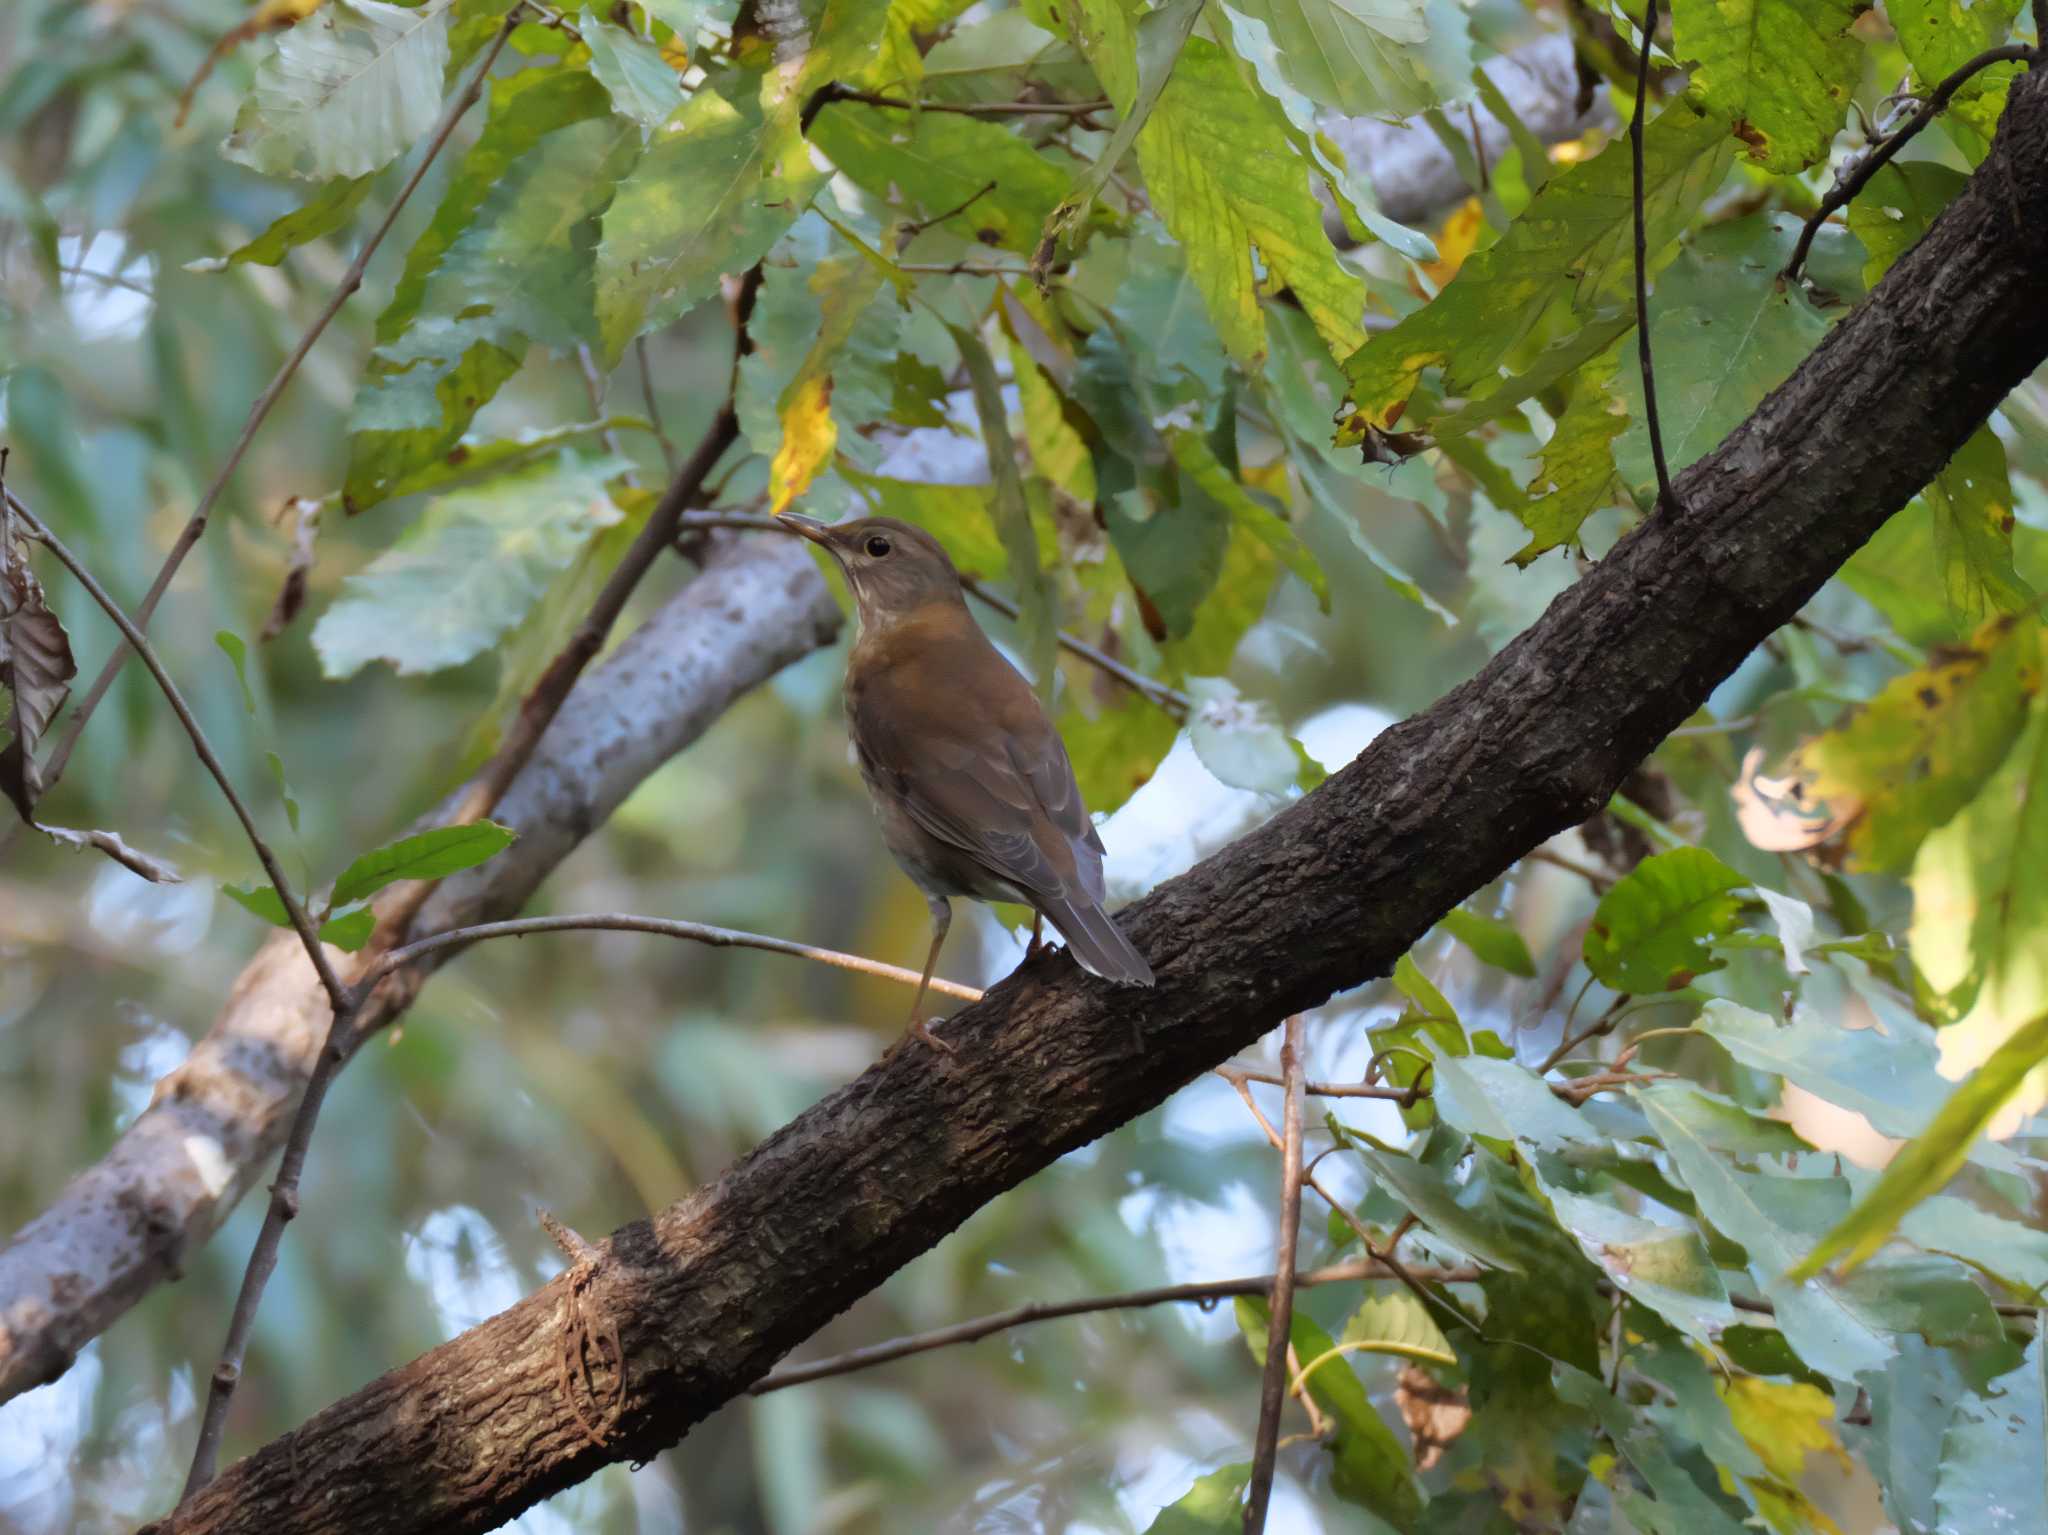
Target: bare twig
x=1599 y=879
x=1598 y=1026
x=1280 y=1321
x=1844 y=191
x=351 y=280
x=1077 y=109
x=622 y=922
x=1204 y=1293
x=1666 y=501
x=1172 y=700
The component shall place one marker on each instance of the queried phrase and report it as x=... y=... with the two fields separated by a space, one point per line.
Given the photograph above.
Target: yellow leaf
x=808 y=436
x=1785 y=1422
x=1454 y=243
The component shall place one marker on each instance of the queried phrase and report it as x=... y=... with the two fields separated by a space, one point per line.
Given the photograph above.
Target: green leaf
x=1394 y=1321
x=460 y=577
x=1368 y=1466
x=1361 y=57
x=284 y=789
x=346 y=91
x=1972 y=504
x=1507 y=1101
x=237 y=652
x=1577 y=474
x=263 y=901
x=1905 y=762
x=642 y=85
x=350 y=930
x=1191 y=450
x=1213 y=1506
x=1573 y=241
x=926 y=163
x=718 y=185
x=1651 y=931
x=1666 y=1268
x=1940 y=36
x=1886 y=1075
x=1726 y=333
x=1494 y=940
x=1783 y=69
x=1828 y=1331
x=515 y=268
x=1994 y=1458
x=2016 y=1254
x=845 y=287
x=1159 y=38
x=1458 y=1216
x=1236 y=739
x=429 y=855
x=1897 y=206
x=1939 y=1153
x=324 y=212
x=1227 y=183
x=475 y=459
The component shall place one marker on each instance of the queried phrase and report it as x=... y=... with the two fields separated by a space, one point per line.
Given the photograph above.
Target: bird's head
x=893 y=567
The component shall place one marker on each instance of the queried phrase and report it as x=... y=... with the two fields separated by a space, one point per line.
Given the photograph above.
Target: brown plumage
x=970 y=780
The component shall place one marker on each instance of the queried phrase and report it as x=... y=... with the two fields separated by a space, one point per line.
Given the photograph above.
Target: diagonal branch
x=706 y=1296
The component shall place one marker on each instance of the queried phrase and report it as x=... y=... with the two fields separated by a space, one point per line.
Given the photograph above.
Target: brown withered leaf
x=1435 y=1413
x=292 y=595
x=36 y=668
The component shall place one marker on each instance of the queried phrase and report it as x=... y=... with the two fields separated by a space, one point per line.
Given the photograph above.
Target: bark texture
x=675 y=1316
x=124 y=1225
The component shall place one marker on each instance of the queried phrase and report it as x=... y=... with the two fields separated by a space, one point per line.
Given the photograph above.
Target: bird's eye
x=878 y=546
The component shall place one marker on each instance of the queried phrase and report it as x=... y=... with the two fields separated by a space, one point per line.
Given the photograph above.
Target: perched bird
x=970 y=781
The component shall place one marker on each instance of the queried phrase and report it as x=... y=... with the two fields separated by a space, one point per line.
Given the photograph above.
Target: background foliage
x=1811 y=914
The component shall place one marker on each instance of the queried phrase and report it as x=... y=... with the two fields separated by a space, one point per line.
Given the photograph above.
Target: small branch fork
x=1858 y=176
x=1280 y=1317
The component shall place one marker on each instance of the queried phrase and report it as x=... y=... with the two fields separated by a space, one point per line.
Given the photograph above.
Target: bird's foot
x=922 y=1028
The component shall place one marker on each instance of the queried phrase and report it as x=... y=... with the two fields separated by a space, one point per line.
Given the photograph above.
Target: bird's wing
x=986 y=775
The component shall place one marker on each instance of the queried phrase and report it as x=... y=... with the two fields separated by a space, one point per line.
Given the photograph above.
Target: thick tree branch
x=705 y=1297
x=125 y=1225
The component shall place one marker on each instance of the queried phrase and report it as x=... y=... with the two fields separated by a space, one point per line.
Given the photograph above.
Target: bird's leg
x=1037 y=939
x=942 y=918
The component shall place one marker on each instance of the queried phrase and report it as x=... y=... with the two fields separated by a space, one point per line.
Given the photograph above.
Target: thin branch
x=1844 y=191
x=593 y=387
x=622 y=922
x=351 y=280
x=1601 y=1025
x=668 y=446
x=284 y=1201
x=1076 y=109
x=337 y=993
x=1280 y=1320
x=1172 y=700
x=1599 y=879
x=1666 y=501
x=1202 y=1293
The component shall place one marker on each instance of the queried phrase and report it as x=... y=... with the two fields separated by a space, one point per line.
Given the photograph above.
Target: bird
x=970 y=780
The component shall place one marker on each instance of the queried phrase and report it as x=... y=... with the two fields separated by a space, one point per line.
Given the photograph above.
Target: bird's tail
x=1094 y=941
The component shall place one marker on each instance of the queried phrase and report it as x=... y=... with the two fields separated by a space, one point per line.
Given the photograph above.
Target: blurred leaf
x=1651 y=930
x=1362 y=57
x=1726 y=334
x=1936 y=1156
x=1783 y=69
x=930 y=163
x=349 y=930
x=515 y=270
x=1897 y=206
x=238 y=653
x=710 y=196
x=1493 y=940
x=1973 y=522
x=1236 y=740
x=1192 y=452
x=1887 y=1077
x=1680 y=1506
x=1458 y=1216
x=1940 y=36
x=346 y=92
x=642 y=85
x=1573 y=241
x=429 y=855
x=1367 y=1464
x=468 y=570
x=324 y=212
x=36 y=668
x=1905 y=762
x=1213 y=1506
x=1784 y=1422
x=1994 y=1458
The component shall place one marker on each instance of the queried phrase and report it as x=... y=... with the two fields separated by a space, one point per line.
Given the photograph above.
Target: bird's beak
x=816 y=531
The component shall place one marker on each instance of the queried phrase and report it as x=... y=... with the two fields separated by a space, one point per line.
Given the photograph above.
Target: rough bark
x=700 y=1301
x=124 y=1225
